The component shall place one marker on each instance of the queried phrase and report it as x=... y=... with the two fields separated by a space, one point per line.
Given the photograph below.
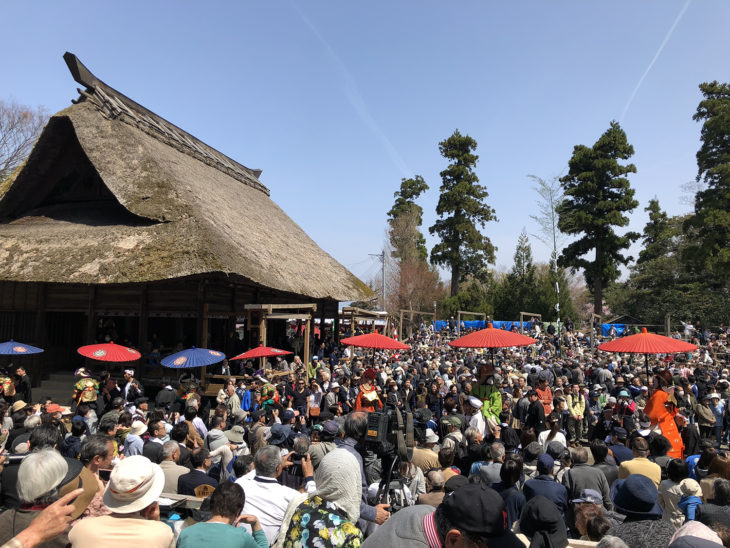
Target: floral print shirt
x=321 y=524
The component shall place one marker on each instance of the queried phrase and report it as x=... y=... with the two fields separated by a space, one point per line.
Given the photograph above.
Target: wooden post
x=204 y=339
x=143 y=317
x=262 y=335
x=307 y=327
x=40 y=330
x=91 y=319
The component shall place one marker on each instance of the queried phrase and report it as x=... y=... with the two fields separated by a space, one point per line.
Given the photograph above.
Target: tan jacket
x=172 y=472
x=643 y=466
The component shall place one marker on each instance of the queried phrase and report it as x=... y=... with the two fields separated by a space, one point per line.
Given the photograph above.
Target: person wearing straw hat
x=131 y=494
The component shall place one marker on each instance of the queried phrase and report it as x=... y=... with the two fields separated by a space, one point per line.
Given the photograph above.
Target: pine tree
x=462 y=210
x=709 y=252
x=597 y=198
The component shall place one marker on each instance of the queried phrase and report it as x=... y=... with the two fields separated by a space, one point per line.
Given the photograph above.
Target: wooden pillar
x=91 y=318
x=307 y=327
x=40 y=332
x=262 y=334
x=144 y=314
x=204 y=339
x=202 y=324
x=321 y=319
x=336 y=325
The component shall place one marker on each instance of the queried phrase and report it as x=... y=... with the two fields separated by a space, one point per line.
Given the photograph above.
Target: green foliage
x=518 y=292
x=662 y=284
x=405 y=219
x=476 y=295
x=462 y=210
x=657 y=235
x=597 y=198
x=710 y=252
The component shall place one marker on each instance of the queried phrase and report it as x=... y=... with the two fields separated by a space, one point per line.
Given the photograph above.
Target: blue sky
x=337 y=101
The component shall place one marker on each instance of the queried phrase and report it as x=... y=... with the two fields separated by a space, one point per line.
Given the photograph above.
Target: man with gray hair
x=490 y=472
x=436 y=481
x=170 y=468
x=582 y=476
x=265 y=497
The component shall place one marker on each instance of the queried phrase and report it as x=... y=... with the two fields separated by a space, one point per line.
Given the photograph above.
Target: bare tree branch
x=20 y=127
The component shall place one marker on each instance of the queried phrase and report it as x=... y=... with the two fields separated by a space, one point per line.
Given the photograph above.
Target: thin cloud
x=656 y=56
x=355 y=98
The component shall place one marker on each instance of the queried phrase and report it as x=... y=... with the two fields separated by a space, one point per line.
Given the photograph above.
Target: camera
x=390 y=436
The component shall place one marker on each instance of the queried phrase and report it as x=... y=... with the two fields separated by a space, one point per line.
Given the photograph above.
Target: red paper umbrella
x=260 y=352
x=647 y=343
x=375 y=340
x=492 y=338
x=109 y=352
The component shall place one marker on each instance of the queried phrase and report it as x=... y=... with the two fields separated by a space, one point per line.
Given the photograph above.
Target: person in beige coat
x=170 y=467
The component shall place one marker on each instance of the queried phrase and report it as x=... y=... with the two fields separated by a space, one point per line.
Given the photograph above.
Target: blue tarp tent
x=606 y=328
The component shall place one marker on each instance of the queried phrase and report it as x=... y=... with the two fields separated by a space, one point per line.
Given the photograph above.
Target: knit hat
x=542 y=523
x=545 y=464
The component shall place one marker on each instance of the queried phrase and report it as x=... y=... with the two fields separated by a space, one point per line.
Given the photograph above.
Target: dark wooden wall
x=61 y=317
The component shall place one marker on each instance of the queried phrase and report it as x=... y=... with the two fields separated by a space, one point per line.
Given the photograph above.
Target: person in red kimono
x=662 y=411
x=368 y=398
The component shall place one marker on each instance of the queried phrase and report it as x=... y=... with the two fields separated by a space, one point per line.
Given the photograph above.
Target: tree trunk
x=455 y=275
x=597 y=294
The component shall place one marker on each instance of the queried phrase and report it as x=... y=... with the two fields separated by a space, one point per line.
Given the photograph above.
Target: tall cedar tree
x=657 y=234
x=461 y=211
x=404 y=208
x=597 y=196
x=710 y=251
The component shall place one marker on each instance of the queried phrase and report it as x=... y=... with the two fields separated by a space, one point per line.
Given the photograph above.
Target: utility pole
x=381 y=257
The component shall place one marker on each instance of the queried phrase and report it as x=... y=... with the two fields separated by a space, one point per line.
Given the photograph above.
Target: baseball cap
x=479 y=511
x=620 y=433
x=589 y=495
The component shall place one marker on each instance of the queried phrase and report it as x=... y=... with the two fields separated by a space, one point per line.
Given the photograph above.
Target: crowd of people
x=545 y=445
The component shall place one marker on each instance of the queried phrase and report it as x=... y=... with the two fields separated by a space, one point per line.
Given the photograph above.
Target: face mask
x=490 y=381
x=680 y=393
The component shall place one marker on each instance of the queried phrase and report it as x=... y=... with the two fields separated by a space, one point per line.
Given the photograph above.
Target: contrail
x=656 y=56
x=355 y=98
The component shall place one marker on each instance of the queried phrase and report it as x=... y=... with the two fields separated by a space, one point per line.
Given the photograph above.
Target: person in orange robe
x=367 y=397
x=662 y=412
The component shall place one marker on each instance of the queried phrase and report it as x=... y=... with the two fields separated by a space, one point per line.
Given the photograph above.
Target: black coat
x=535 y=417
x=187 y=483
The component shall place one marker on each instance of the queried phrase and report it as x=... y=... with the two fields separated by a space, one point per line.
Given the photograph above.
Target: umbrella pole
x=648 y=380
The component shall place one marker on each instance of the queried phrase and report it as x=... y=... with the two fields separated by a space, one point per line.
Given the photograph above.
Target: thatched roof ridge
x=163 y=212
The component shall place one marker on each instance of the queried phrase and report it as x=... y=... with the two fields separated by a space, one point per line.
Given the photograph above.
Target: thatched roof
x=112 y=193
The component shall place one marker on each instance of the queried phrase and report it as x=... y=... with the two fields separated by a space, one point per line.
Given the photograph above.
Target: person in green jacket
x=489 y=394
x=221 y=530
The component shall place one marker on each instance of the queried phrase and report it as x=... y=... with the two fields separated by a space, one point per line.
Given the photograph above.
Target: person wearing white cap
x=133 y=389
x=473 y=410
x=131 y=494
x=424 y=457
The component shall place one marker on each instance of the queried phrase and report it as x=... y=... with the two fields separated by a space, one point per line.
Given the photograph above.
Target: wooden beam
x=287 y=316
x=272 y=307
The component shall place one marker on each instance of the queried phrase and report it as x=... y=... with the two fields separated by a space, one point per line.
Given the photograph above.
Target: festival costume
x=86 y=390
x=491 y=402
x=664 y=417
x=367 y=398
